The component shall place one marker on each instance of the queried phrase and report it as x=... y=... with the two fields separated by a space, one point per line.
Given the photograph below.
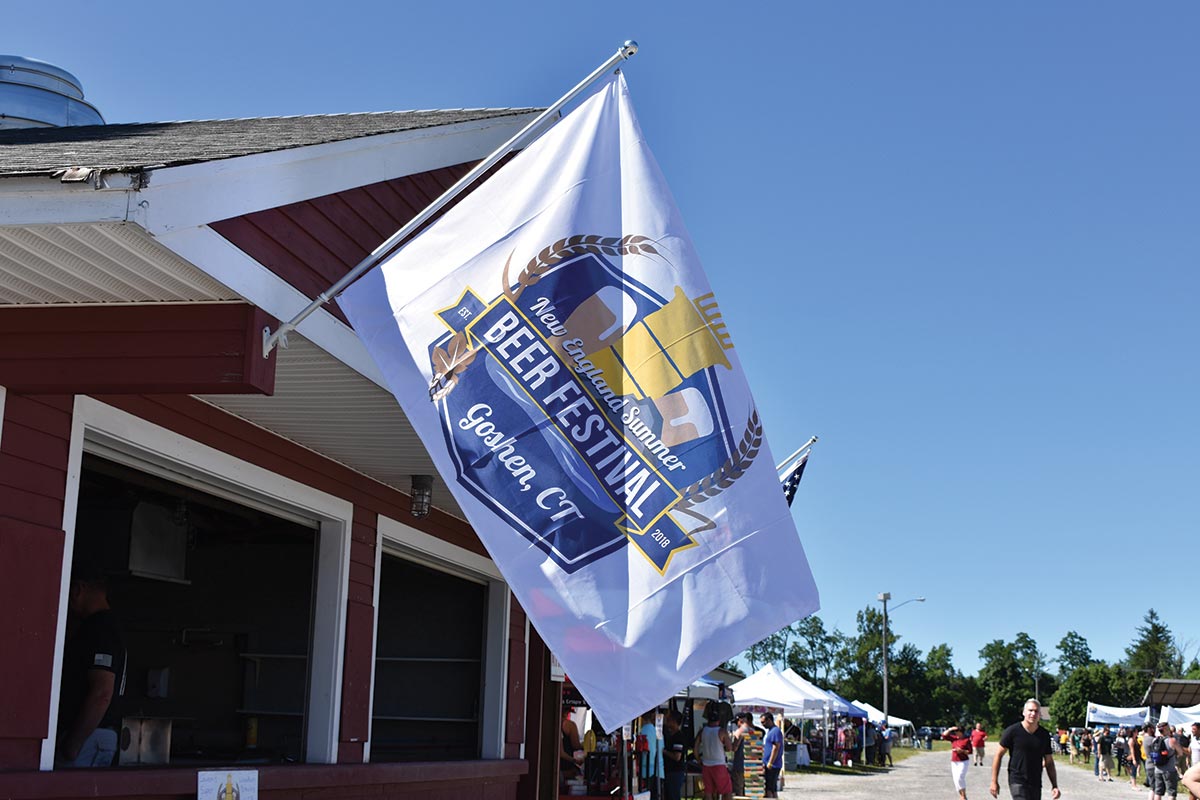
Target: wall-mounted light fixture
x=422 y=494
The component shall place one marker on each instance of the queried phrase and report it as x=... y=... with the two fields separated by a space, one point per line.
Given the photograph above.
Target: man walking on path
x=978 y=739
x=1029 y=744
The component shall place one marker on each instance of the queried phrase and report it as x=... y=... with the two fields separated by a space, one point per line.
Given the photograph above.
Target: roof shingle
x=136 y=146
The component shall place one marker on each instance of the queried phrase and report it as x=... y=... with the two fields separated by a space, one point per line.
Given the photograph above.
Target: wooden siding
x=311 y=244
x=185 y=349
x=460 y=780
x=204 y=423
x=33 y=476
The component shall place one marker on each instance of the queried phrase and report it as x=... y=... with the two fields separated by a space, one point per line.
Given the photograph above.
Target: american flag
x=791 y=478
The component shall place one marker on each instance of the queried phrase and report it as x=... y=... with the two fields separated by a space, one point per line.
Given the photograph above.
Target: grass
x=898 y=755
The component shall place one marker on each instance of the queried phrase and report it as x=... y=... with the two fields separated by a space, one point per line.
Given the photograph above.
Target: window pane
x=428 y=669
x=215 y=603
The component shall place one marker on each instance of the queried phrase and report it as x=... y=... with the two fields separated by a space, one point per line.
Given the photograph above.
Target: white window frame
x=3 y=393
x=102 y=429
x=397 y=539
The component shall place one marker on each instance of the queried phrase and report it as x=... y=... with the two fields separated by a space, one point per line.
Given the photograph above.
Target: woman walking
x=960 y=757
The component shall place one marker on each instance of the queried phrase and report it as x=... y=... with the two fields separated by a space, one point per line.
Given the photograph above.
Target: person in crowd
x=960 y=757
x=1187 y=742
x=712 y=743
x=886 y=740
x=650 y=768
x=1166 y=772
x=1194 y=747
x=1104 y=754
x=1073 y=746
x=93 y=674
x=1120 y=749
x=869 y=738
x=1085 y=745
x=928 y=742
x=1134 y=745
x=674 y=755
x=1029 y=744
x=1191 y=778
x=1145 y=740
x=1064 y=737
x=772 y=754
x=978 y=741
x=568 y=760
x=738 y=768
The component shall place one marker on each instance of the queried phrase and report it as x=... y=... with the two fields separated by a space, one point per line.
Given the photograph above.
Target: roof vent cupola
x=34 y=94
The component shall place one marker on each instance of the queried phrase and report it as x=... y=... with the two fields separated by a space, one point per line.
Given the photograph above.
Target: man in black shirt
x=1029 y=744
x=93 y=674
x=674 y=755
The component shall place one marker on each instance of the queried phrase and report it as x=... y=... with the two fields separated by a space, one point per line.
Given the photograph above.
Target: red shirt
x=978 y=737
x=962 y=743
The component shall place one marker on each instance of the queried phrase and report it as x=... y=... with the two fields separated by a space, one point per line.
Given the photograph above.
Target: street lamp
x=885 y=596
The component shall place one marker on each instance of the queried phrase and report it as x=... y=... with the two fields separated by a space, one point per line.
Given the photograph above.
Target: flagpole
x=270 y=340
x=794 y=455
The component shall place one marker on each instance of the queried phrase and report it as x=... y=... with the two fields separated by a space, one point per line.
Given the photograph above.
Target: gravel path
x=926 y=776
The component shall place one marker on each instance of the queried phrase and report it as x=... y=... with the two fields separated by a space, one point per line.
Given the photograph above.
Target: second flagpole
x=270 y=340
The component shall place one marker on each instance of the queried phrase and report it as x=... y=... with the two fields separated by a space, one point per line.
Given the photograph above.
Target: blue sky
x=958 y=241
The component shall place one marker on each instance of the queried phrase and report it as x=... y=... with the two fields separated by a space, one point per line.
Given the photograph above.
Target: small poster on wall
x=227 y=785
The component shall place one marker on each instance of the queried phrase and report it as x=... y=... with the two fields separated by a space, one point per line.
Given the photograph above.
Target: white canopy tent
x=877 y=716
x=1180 y=716
x=1113 y=715
x=835 y=705
x=769 y=687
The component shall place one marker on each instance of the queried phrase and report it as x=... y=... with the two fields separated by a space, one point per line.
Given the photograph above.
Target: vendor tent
x=876 y=716
x=835 y=704
x=701 y=689
x=769 y=687
x=1179 y=716
x=851 y=710
x=1112 y=715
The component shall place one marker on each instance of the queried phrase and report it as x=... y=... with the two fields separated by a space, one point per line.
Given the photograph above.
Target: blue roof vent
x=34 y=94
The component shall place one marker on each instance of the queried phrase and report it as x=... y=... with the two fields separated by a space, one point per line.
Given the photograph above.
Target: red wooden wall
x=311 y=244
x=33 y=454
x=34 y=443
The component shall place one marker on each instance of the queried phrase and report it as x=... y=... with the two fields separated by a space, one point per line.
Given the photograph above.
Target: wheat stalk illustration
x=448 y=363
x=571 y=246
x=734 y=467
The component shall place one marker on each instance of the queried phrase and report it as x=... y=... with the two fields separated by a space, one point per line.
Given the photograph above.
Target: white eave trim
x=213 y=253
x=196 y=194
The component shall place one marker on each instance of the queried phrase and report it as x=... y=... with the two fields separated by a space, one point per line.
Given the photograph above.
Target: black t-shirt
x=1106 y=745
x=1026 y=752
x=675 y=743
x=96 y=644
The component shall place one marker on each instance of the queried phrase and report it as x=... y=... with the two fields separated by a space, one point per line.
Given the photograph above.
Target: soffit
x=323 y=405
x=97 y=263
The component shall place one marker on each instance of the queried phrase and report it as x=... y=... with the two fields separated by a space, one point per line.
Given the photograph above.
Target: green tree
x=1153 y=650
x=1073 y=653
x=1090 y=683
x=1033 y=664
x=1003 y=681
x=908 y=684
x=814 y=654
x=947 y=701
x=862 y=656
x=772 y=649
x=1126 y=686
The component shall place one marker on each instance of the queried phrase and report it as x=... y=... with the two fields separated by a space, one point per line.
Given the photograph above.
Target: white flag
x=556 y=345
